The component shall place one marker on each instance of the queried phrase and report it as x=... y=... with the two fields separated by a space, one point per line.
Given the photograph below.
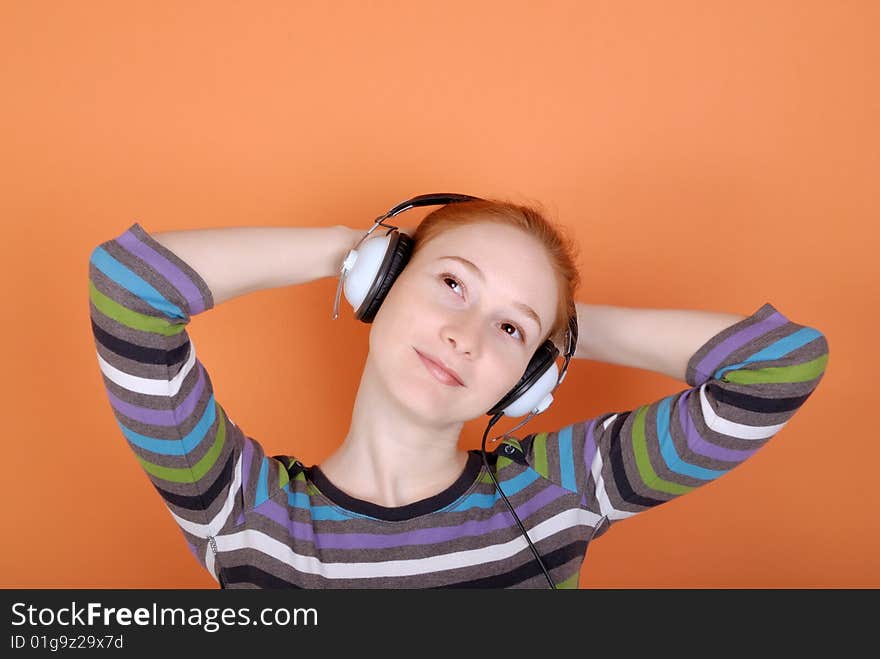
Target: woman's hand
x=354 y=235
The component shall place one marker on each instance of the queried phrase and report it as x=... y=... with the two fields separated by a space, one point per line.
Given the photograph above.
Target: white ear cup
x=364 y=266
x=536 y=398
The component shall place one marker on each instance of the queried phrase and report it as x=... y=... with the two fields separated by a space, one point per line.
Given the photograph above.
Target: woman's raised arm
x=234 y=261
x=143 y=292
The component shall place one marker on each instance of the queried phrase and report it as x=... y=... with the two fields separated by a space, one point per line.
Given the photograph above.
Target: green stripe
x=646 y=471
x=197 y=471
x=283 y=476
x=571 y=582
x=125 y=316
x=486 y=478
x=797 y=373
x=539 y=450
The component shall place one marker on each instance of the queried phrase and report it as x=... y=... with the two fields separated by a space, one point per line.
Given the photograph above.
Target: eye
x=516 y=329
x=448 y=277
x=445 y=277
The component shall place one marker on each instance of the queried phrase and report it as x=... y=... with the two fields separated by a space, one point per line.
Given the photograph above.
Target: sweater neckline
x=468 y=477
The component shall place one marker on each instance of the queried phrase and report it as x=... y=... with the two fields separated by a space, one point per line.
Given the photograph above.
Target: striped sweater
x=259 y=521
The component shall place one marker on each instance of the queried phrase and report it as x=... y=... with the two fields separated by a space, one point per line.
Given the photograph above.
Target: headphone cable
x=522 y=528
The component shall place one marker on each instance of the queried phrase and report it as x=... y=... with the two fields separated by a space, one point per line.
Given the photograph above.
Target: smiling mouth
x=439 y=373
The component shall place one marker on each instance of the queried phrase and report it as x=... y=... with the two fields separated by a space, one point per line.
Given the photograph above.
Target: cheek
x=406 y=308
x=501 y=374
x=394 y=306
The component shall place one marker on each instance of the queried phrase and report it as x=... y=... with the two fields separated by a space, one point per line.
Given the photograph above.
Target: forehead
x=482 y=238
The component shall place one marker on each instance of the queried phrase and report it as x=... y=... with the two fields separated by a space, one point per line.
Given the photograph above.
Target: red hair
x=561 y=250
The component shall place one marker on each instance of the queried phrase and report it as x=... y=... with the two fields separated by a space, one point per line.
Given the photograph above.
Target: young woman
x=398 y=504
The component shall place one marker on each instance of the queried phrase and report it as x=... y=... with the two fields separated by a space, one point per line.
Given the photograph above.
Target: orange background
x=706 y=155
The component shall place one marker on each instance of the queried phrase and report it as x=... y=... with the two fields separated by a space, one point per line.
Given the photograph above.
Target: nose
x=464 y=333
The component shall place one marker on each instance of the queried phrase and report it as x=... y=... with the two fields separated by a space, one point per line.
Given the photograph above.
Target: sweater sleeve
x=207 y=471
x=746 y=383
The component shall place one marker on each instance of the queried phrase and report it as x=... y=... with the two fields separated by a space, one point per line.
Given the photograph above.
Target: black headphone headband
x=433 y=199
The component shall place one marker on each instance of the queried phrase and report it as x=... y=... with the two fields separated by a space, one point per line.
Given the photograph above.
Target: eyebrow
x=526 y=309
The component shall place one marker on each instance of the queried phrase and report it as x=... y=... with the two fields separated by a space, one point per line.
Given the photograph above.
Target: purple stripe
x=303 y=530
x=719 y=353
x=166 y=268
x=170 y=417
x=590 y=448
x=195 y=552
x=699 y=445
x=275 y=511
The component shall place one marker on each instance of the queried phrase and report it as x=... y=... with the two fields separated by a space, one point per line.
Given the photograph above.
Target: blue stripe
x=509 y=487
x=298 y=500
x=776 y=350
x=133 y=283
x=667 y=448
x=173 y=446
x=263 y=482
x=302 y=500
x=566 y=459
x=333 y=514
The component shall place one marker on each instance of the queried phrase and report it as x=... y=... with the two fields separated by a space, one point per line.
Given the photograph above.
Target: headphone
x=366 y=276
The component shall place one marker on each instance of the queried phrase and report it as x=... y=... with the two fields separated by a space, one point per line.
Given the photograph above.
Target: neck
x=391 y=456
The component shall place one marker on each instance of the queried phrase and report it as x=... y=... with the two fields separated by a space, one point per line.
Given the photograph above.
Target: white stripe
x=605 y=506
x=209 y=563
x=147 y=385
x=399 y=568
x=731 y=428
x=213 y=527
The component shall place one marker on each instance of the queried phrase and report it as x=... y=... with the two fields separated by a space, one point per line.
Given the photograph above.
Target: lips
x=443 y=374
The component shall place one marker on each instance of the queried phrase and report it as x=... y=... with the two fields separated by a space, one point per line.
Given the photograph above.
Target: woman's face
x=475 y=320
